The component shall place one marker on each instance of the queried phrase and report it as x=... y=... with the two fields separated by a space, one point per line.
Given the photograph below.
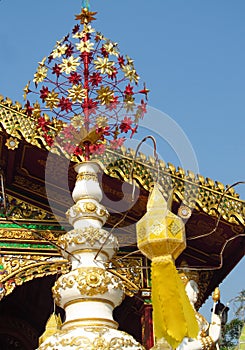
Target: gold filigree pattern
x=90 y=235
x=16 y=123
x=84 y=343
x=25 y=234
x=19 y=209
x=90 y=209
x=89 y=281
x=17 y=269
x=130 y=271
x=87 y=176
x=92 y=338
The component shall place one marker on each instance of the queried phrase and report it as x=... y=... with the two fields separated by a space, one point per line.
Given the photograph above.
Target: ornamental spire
x=85 y=4
x=85 y=95
x=89 y=291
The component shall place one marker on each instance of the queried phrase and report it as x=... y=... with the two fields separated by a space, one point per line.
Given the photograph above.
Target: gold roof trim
x=22 y=210
x=17 y=269
x=16 y=123
x=192 y=190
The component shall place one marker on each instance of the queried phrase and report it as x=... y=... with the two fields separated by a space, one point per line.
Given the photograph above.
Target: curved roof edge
x=192 y=190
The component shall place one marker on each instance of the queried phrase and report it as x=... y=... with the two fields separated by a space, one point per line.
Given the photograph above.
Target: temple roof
x=17 y=124
x=213 y=213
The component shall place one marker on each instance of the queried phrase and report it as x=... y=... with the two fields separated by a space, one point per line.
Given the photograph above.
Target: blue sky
x=190 y=53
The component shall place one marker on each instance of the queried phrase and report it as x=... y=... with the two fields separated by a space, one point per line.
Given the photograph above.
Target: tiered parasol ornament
x=85 y=95
x=86 y=101
x=88 y=293
x=82 y=110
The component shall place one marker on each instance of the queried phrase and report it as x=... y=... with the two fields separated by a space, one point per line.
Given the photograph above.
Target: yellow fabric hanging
x=173 y=315
x=161 y=237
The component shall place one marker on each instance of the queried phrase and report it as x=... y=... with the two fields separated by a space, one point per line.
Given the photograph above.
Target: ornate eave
x=16 y=123
x=206 y=199
x=192 y=190
x=202 y=193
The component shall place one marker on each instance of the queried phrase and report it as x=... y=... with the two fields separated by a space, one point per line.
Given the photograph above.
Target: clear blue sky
x=190 y=53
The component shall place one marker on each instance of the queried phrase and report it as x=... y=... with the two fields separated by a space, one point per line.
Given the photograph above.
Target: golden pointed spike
x=59 y=321
x=53 y=325
x=156 y=199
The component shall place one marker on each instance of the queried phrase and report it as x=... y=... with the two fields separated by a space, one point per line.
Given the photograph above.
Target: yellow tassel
x=173 y=315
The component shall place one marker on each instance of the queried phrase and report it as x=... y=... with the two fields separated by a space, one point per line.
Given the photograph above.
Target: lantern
x=161 y=238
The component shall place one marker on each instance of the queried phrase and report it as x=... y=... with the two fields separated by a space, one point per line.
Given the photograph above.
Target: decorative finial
x=85 y=4
x=216 y=295
x=85 y=95
x=52 y=326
